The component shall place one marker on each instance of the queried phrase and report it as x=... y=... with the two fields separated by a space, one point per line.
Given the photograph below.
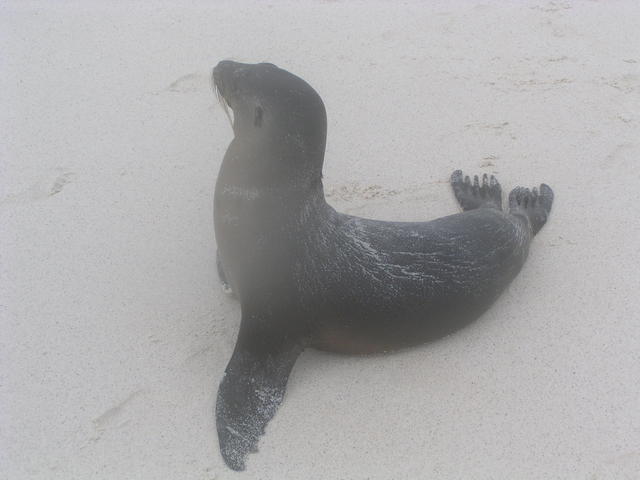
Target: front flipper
x=252 y=390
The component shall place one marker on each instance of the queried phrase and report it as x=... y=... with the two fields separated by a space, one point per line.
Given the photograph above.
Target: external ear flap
x=257 y=120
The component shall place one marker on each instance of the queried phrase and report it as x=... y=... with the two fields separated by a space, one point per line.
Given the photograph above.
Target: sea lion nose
x=220 y=68
x=222 y=74
x=226 y=72
x=225 y=67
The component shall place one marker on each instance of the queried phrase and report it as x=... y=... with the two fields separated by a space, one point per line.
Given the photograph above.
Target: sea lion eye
x=257 y=120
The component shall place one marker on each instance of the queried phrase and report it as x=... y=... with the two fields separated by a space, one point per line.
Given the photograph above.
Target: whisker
x=223 y=102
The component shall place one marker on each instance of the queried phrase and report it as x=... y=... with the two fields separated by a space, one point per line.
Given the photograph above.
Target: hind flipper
x=534 y=204
x=475 y=195
x=251 y=391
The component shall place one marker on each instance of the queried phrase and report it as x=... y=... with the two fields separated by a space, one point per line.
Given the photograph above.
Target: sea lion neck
x=276 y=160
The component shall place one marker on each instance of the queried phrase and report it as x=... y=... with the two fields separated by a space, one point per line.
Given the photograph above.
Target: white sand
x=114 y=330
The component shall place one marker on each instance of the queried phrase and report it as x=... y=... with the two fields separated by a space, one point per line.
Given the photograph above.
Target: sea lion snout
x=228 y=75
x=223 y=74
x=224 y=67
x=228 y=69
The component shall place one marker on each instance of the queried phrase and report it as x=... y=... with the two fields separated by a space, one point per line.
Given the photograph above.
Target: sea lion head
x=276 y=114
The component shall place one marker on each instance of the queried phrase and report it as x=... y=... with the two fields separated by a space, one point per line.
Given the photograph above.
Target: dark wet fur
x=307 y=275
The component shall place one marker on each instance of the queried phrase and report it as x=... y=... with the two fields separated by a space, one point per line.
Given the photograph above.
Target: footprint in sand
x=48 y=186
x=114 y=417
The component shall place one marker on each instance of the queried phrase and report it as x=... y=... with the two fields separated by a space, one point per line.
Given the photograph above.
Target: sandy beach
x=115 y=331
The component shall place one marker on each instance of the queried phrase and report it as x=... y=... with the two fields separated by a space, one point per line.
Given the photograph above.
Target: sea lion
x=308 y=276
